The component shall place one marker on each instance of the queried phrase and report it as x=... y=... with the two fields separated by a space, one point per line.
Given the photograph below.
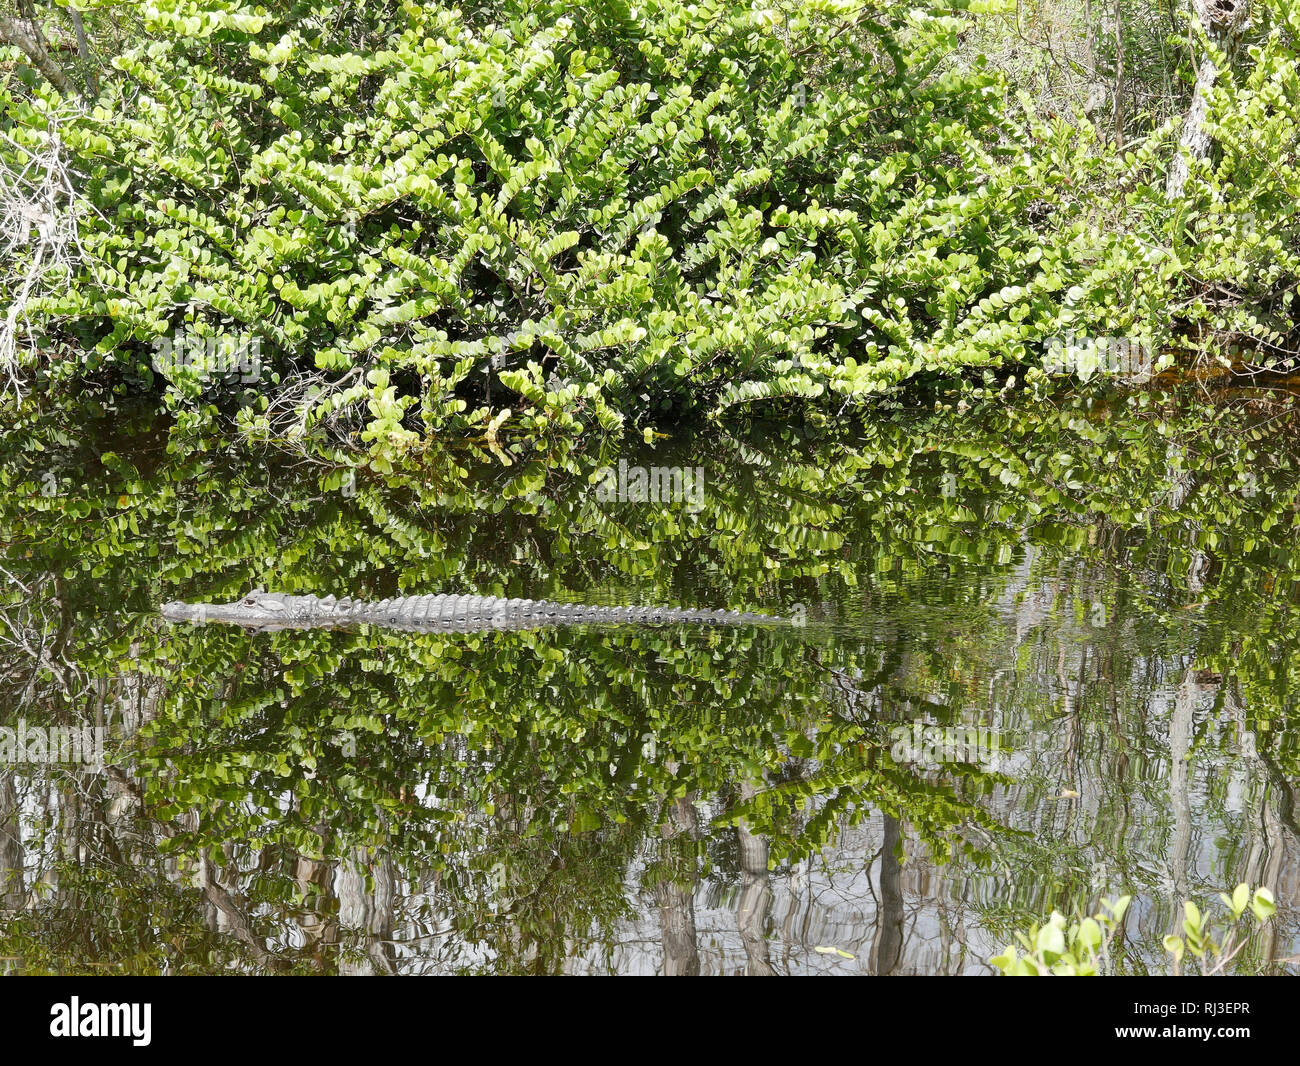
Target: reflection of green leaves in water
x=519 y=775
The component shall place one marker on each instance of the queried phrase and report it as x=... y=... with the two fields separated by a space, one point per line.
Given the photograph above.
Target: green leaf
x=1051 y=939
x=1262 y=904
x=1090 y=934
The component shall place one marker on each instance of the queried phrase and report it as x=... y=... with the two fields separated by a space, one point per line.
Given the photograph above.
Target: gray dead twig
x=39 y=246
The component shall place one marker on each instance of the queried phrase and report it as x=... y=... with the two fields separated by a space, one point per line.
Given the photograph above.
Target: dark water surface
x=1096 y=600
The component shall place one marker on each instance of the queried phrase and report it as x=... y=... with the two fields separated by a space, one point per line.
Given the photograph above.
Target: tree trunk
x=1119 y=75
x=83 y=51
x=1225 y=23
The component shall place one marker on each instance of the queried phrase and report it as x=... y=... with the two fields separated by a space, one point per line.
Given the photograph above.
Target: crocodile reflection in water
x=446 y=614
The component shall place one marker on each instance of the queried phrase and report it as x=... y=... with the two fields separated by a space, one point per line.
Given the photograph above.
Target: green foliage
x=1199 y=932
x=1082 y=948
x=704 y=206
x=509 y=222
x=1058 y=949
x=1237 y=236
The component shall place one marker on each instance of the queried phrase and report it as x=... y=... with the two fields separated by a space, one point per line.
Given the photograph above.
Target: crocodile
x=262 y=610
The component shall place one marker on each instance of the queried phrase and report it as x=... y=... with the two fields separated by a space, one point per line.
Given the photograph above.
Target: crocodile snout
x=180 y=611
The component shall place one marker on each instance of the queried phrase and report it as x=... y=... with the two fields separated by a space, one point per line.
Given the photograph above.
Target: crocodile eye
x=250 y=602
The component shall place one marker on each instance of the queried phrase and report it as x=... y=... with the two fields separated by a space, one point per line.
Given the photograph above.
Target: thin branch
x=26 y=35
x=83 y=51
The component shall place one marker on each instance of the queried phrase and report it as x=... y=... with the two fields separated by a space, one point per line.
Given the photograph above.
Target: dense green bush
x=1237 y=235
x=513 y=217
x=623 y=212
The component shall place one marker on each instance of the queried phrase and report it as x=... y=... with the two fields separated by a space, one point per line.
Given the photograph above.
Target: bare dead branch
x=39 y=208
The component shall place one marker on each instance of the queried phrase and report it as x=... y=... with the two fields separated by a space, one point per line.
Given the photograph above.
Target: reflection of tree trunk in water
x=1180 y=740
x=139 y=697
x=1269 y=874
x=887 y=950
x=1264 y=856
x=675 y=892
x=368 y=911
x=13 y=892
x=755 y=894
x=318 y=918
x=1115 y=760
x=1067 y=697
x=234 y=919
x=132 y=811
x=1070 y=755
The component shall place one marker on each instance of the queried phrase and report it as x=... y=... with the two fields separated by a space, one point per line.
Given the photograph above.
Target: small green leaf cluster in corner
x=1199 y=932
x=1082 y=949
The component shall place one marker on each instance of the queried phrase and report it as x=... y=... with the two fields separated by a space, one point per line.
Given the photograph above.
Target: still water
x=1048 y=654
